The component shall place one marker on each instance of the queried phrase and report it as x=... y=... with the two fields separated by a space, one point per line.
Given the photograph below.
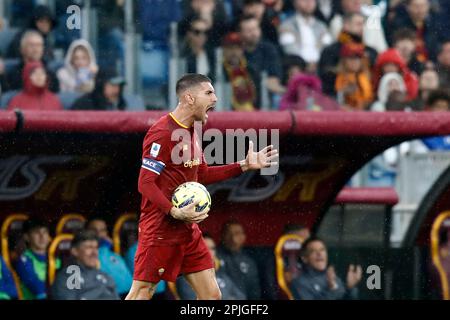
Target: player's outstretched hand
x=259 y=160
x=188 y=213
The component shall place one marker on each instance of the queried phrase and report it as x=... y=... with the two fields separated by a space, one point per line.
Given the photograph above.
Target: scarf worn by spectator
x=242 y=86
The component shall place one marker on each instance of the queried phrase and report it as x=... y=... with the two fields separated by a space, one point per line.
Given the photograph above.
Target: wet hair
x=307 y=242
x=190 y=80
x=33 y=224
x=83 y=236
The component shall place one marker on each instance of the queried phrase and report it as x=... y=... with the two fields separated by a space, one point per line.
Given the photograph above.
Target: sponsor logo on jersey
x=192 y=163
x=154 y=151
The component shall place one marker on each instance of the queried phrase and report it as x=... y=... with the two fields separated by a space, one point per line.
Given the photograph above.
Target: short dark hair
x=245 y=18
x=307 y=242
x=83 y=236
x=404 y=34
x=227 y=225
x=190 y=80
x=249 y=2
x=437 y=95
x=292 y=227
x=33 y=224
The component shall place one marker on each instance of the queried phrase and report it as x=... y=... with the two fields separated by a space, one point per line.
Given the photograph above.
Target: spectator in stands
x=89 y=283
x=428 y=82
x=229 y=290
x=391 y=61
x=267 y=19
x=373 y=35
x=35 y=94
x=425 y=23
x=200 y=57
x=2 y=75
x=42 y=21
x=405 y=43
x=240 y=267
x=110 y=262
x=352 y=32
x=213 y=12
x=318 y=280
x=80 y=68
x=32 y=264
x=305 y=35
x=129 y=260
x=238 y=74
x=8 y=290
x=353 y=84
x=261 y=56
x=326 y=9
x=391 y=93
x=297 y=229
x=438 y=100
x=32 y=50
x=443 y=65
x=107 y=95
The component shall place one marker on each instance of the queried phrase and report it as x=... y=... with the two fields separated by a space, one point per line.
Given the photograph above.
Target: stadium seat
x=125 y=232
x=287 y=255
x=6 y=98
x=13 y=244
x=70 y=224
x=440 y=251
x=68 y=99
x=59 y=248
x=6 y=37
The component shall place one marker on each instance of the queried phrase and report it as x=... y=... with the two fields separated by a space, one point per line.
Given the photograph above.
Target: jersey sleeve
x=209 y=175
x=156 y=154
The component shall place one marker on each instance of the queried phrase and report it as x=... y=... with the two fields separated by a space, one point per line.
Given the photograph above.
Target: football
x=186 y=193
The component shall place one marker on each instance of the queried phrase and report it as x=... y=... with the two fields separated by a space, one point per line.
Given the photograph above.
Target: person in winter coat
x=391 y=61
x=391 y=86
x=80 y=68
x=35 y=94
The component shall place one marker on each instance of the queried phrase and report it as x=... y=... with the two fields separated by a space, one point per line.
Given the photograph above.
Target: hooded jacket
x=383 y=90
x=410 y=78
x=96 y=99
x=32 y=97
x=73 y=80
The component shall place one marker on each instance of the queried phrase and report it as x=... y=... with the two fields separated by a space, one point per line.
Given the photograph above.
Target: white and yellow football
x=188 y=192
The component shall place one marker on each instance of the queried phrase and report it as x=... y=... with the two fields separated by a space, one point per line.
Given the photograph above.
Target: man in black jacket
x=107 y=95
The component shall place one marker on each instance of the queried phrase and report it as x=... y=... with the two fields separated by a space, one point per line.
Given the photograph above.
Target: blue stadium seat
x=6 y=98
x=6 y=37
x=68 y=98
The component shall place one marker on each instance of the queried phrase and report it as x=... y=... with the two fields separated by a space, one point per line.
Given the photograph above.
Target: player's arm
x=253 y=161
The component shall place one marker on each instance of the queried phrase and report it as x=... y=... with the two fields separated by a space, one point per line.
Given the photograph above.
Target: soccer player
x=170 y=242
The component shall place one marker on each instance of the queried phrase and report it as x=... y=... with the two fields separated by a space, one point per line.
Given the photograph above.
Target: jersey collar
x=178 y=122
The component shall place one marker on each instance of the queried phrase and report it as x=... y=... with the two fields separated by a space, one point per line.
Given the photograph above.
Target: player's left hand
x=261 y=159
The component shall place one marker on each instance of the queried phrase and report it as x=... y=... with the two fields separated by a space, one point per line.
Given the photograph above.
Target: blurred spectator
x=318 y=281
x=391 y=93
x=438 y=100
x=8 y=290
x=428 y=82
x=267 y=19
x=129 y=260
x=391 y=61
x=80 y=68
x=32 y=50
x=107 y=95
x=229 y=290
x=110 y=262
x=35 y=94
x=443 y=65
x=326 y=9
x=352 y=32
x=425 y=23
x=42 y=21
x=373 y=34
x=238 y=74
x=297 y=229
x=235 y=263
x=200 y=58
x=261 y=56
x=353 y=84
x=405 y=43
x=213 y=12
x=2 y=75
x=89 y=283
x=303 y=34
x=32 y=264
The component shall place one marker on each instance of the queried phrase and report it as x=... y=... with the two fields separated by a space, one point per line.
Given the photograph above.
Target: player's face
x=316 y=256
x=87 y=253
x=204 y=100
